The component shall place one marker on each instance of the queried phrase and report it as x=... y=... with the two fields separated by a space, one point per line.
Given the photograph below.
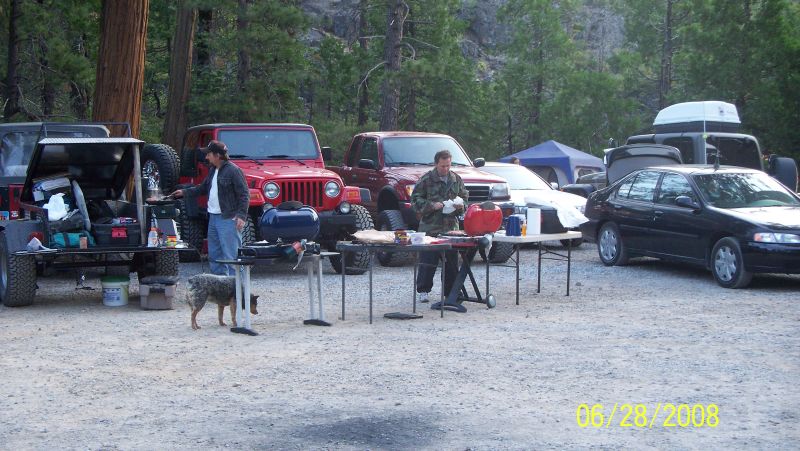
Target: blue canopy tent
x=557 y=162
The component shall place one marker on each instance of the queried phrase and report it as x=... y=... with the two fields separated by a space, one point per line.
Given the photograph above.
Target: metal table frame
x=539 y=239
x=313 y=263
x=348 y=247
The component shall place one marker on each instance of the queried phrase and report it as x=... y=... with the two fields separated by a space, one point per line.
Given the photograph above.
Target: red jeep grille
x=307 y=192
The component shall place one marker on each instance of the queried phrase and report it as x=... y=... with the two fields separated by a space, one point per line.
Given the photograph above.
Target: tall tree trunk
x=205 y=18
x=12 y=78
x=78 y=94
x=667 y=52
x=243 y=73
x=363 y=99
x=411 y=109
x=390 y=90
x=180 y=75
x=48 y=92
x=120 y=63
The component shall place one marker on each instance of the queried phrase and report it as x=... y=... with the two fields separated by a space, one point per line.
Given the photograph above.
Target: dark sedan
x=733 y=221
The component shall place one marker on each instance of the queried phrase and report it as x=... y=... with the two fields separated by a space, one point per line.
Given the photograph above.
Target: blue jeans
x=223 y=244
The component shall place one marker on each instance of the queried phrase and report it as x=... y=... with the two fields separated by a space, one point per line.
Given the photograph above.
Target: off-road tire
x=160 y=161
x=193 y=231
x=249 y=234
x=357 y=262
x=499 y=253
x=392 y=220
x=727 y=264
x=610 y=246
x=166 y=263
x=17 y=277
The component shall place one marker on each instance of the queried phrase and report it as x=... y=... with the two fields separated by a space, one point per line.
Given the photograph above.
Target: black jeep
x=99 y=179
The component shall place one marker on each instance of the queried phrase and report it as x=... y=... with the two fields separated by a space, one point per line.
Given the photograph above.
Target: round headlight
x=271 y=190
x=344 y=207
x=332 y=189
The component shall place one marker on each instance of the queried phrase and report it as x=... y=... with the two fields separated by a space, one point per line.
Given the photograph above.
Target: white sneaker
x=422 y=297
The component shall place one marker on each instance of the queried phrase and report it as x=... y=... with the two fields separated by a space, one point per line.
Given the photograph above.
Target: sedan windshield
x=743 y=190
x=518 y=177
x=409 y=150
x=276 y=144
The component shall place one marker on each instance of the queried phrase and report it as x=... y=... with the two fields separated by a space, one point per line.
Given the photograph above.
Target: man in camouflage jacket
x=435 y=187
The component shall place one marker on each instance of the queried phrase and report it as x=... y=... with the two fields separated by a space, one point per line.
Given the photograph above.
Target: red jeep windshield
x=403 y=151
x=275 y=144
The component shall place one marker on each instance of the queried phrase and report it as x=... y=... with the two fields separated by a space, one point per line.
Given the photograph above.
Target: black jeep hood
x=101 y=166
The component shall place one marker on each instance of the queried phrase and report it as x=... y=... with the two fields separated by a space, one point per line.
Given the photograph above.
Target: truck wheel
x=392 y=220
x=160 y=163
x=193 y=231
x=357 y=262
x=500 y=252
x=249 y=232
x=17 y=277
x=166 y=263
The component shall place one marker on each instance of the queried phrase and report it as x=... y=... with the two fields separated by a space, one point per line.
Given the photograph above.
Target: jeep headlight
x=332 y=189
x=271 y=190
x=499 y=190
x=784 y=238
x=410 y=189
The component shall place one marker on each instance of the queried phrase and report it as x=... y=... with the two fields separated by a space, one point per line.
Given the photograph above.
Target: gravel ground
x=81 y=375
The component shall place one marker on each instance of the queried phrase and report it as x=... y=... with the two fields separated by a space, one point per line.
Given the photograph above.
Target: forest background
x=498 y=75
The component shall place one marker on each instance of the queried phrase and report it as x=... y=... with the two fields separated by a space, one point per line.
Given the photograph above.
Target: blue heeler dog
x=220 y=290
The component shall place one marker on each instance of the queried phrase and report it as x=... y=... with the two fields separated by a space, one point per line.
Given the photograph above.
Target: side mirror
x=554 y=185
x=327 y=153
x=366 y=164
x=686 y=202
x=478 y=162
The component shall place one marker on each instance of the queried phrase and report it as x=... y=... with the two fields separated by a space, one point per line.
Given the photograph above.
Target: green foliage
x=542 y=84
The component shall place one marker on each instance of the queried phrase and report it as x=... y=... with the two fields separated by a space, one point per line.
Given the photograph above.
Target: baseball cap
x=218 y=147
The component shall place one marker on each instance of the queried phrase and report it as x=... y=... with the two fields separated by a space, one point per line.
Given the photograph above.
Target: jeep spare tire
x=160 y=163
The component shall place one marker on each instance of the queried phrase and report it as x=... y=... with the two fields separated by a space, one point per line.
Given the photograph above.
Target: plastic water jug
x=152 y=238
x=514 y=226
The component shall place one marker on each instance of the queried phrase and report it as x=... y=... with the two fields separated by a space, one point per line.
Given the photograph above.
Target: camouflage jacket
x=430 y=189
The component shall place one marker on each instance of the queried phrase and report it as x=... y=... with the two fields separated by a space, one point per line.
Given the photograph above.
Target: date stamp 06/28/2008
x=666 y=415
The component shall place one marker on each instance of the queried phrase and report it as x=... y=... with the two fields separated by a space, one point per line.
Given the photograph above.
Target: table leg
x=310 y=276
x=344 y=257
x=486 y=293
x=414 y=288
x=569 y=260
x=239 y=297
x=539 y=271
x=516 y=250
x=443 y=257
x=318 y=264
x=246 y=283
x=370 y=288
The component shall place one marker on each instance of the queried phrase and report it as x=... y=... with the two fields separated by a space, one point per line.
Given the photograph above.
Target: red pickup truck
x=389 y=164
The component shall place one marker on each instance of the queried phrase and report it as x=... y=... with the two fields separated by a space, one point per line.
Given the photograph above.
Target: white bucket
x=115 y=290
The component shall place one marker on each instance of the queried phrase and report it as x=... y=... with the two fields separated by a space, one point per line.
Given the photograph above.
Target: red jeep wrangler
x=281 y=162
x=389 y=164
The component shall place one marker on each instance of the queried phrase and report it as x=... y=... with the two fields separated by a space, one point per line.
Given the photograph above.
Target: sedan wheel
x=610 y=247
x=728 y=265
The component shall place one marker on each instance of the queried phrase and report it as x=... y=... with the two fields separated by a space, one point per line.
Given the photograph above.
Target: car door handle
x=658 y=213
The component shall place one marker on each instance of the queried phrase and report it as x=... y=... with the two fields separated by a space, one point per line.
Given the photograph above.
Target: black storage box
x=116 y=234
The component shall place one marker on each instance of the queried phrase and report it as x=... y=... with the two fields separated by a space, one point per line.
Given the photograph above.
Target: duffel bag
x=71 y=239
